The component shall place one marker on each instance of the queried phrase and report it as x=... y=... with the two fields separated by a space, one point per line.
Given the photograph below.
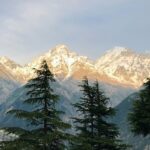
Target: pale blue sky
x=90 y=27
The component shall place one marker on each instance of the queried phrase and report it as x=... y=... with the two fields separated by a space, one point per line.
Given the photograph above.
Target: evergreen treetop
x=139 y=117
x=94 y=131
x=45 y=131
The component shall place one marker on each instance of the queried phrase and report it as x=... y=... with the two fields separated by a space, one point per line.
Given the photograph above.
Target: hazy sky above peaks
x=29 y=28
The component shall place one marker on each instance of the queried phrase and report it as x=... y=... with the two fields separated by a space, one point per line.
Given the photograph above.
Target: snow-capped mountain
x=125 y=66
x=8 y=63
x=117 y=66
x=119 y=71
x=8 y=69
x=63 y=63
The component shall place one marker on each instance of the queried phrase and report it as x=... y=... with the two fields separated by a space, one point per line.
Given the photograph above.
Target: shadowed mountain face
x=8 y=83
x=138 y=142
x=69 y=92
x=6 y=88
x=15 y=100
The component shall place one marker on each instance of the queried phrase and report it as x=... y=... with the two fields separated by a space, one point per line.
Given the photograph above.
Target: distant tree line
x=47 y=131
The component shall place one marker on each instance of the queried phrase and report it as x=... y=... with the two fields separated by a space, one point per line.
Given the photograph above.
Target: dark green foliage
x=139 y=117
x=94 y=131
x=46 y=128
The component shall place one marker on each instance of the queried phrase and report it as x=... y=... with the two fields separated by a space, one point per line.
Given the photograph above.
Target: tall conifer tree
x=139 y=117
x=94 y=131
x=45 y=128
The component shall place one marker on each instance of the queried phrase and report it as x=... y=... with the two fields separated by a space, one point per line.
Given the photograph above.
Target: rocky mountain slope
x=118 y=66
x=125 y=66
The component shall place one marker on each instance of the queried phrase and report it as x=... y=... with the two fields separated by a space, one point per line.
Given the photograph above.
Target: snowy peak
x=4 y=59
x=61 y=54
x=118 y=51
x=8 y=63
x=125 y=66
x=68 y=63
x=63 y=62
x=60 y=49
x=118 y=66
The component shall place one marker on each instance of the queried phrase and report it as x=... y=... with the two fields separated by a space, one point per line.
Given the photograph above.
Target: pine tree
x=94 y=131
x=139 y=117
x=45 y=128
x=80 y=142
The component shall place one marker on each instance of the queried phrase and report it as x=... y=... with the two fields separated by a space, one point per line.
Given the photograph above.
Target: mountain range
x=118 y=66
x=120 y=72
